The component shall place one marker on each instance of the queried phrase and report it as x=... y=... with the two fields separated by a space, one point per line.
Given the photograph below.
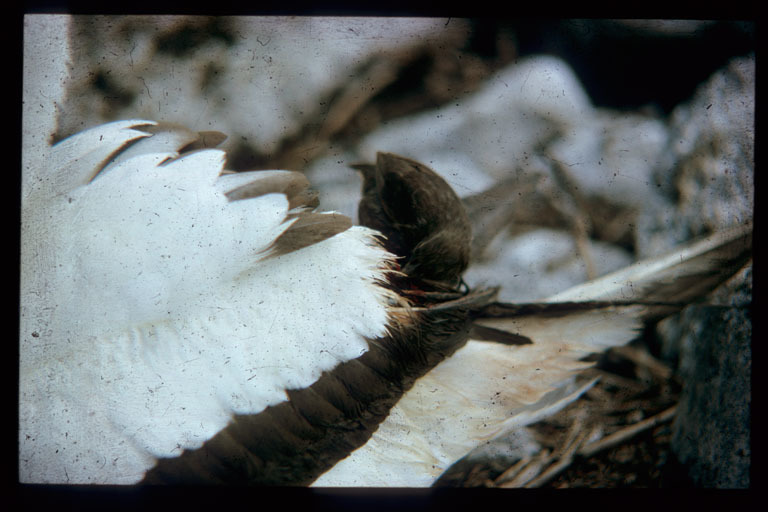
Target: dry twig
x=627 y=432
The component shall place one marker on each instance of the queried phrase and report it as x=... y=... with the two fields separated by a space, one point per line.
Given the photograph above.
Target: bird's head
x=420 y=215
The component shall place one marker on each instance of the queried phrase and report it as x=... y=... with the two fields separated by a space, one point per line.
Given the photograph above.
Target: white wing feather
x=139 y=274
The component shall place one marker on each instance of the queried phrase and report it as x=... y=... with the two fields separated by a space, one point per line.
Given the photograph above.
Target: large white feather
x=151 y=312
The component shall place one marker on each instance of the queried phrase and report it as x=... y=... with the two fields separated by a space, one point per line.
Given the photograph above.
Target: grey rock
x=711 y=432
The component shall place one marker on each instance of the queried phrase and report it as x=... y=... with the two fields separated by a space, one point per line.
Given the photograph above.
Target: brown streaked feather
x=485 y=333
x=184 y=139
x=294 y=185
x=165 y=137
x=561 y=309
x=309 y=229
x=205 y=140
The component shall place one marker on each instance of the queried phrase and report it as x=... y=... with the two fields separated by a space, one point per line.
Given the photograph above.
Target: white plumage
x=156 y=304
x=157 y=312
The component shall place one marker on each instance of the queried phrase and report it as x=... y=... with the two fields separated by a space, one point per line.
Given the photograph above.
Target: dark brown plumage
x=421 y=217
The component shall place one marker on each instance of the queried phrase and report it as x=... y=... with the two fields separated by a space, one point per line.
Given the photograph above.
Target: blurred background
x=578 y=147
